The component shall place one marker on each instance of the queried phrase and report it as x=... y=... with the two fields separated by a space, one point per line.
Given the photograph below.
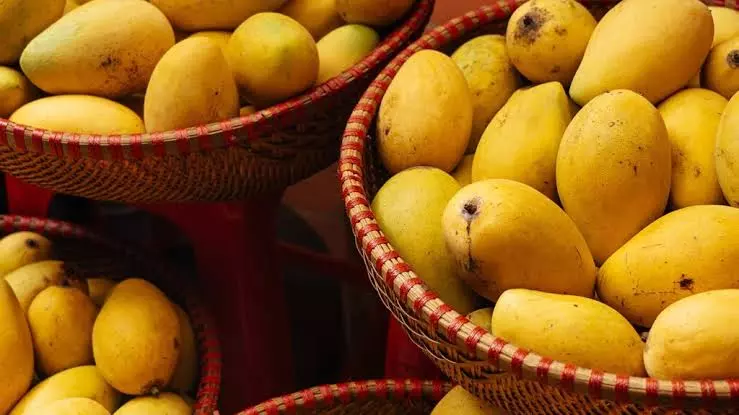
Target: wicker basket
x=375 y=397
x=229 y=160
x=87 y=255
x=509 y=377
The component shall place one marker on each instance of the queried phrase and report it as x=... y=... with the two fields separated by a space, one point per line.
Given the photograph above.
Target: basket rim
x=453 y=327
x=384 y=389
x=209 y=350
x=227 y=133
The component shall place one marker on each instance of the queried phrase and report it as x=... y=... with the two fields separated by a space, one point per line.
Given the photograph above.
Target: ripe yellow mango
x=106 y=48
x=318 y=16
x=15 y=91
x=727 y=152
x=613 y=169
x=505 y=234
x=696 y=338
x=463 y=172
x=571 y=329
x=641 y=45
x=482 y=318
x=692 y=117
x=195 y=15
x=344 y=47
x=21 y=21
x=687 y=251
x=165 y=403
x=721 y=70
x=725 y=23
x=373 y=12
x=408 y=208
x=423 y=122
x=490 y=77
x=72 y=406
x=221 y=38
x=459 y=401
x=522 y=140
x=16 y=350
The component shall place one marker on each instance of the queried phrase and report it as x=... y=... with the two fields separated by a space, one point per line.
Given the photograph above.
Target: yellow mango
x=21 y=21
x=342 y=48
x=641 y=45
x=692 y=117
x=15 y=91
x=318 y=16
x=16 y=350
x=463 y=172
x=106 y=48
x=727 y=151
x=490 y=77
x=687 y=251
x=425 y=117
x=571 y=329
x=721 y=70
x=72 y=406
x=613 y=169
x=373 y=12
x=221 y=38
x=725 y=23
x=696 y=338
x=505 y=234
x=522 y=140
x=482 y=318
x=459 y=401
x=196 y=15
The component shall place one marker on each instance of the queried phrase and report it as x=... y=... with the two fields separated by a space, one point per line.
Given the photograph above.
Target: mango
x=546 y=39
x=422 y=123
x=687 y=251
x=641 y=46
x=15 y=91
x=22 y=248
x=83 y=114
x=21 y=21
x=721 y=70
x=696 y=338
x=165 y=403
x=504 y=234
x=482 y=318
x=491 y=78
x=318 y=16
x=463 y=172
x=692 y=117
x=342 y=48
x=373 y=12
x=70 y=5
x=570 y=329
x=100 y=289
x=186 y=374
x=408 y=208
x=727 y=151
x=220 y=37
x=107 y=48
x=460 y=401
x=522 y=140
x=273 y=58
x=72 y=406
x=191 y=85
x=197 y=15
x=725 y=24
x=613 y=169
x=16 y=350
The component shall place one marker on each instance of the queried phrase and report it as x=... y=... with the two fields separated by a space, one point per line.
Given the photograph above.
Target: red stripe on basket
x=381 y=388
x=271 y=407
x=327 y=396
x=375 y=242
x=474 y=338
x=517 y=362
x=595 y=384
x=289 y=402
x=358 y=200
x=512 y=5
x=387 y=256
x=363 y=390
x=621 y=389
x=453 y=329
x=495 y=350
x=345 y=394
x=205 y=140
x=137 y=150
x=114 y=144
x=37 y=140
x=351 y=189
x=181 y=141
x=19 y=136
x=421 y=301
x=651 y=392
x=678 y=392
x=733 y=388
x=157 y=144
x=407 y=286
x=367 y=229
x=360 y=216
x=352 y=160
x=436 y=316
x=93 y=147
x=708 y=391
x=416 y=389
x=437 y=390
x=357 y=146
x=395 y=271
x=567 y=377
x=542 y=370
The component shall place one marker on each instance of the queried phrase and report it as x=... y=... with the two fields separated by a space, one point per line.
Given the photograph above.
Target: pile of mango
x=70 y=346
x=135 y=66
x=573 y=184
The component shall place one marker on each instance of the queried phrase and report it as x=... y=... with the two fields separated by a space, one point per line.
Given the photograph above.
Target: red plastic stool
x=235 y=248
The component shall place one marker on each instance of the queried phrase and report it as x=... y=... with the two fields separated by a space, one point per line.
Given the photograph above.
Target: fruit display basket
x=229 y=160
x=512 y=378
x=376 y=397
x=87 y=255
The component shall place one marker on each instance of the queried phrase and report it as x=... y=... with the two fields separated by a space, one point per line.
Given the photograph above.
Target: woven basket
x=229 y=160
x=509 y=377
x=375 y=397
x=87 y=255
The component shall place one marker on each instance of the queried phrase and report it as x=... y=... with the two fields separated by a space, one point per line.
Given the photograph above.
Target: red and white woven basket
x=88 y=255
x=228 y=160
x=374 y=397
x=512 y=378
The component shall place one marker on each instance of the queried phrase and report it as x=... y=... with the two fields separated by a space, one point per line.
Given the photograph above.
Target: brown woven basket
x=520 y=381
x=228 y=160
x=374 y=397
x=87 y=255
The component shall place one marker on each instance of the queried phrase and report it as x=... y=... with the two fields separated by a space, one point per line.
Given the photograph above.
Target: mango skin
x=522 y=140
x=342 y=48
x=725 y=23
x=504 y=234
x=408 y=208
x=571 y=329
x=696 y=338
x=491 y=79
x=107 y=48
x=196 y=15
x=16 y=350
x=373 y=12
x=619 y=56
x=613 y=169
x=692 y=117
x=422 y=123
x=21 y=21
x=15 y=91
x=727 y=151
x=687 y=251
x=459 y=401
x=463 y=172
x=318 y=16
x=721 y=70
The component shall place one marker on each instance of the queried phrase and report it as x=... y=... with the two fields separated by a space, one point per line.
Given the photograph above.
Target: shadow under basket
x=517 y=380
x=224 y=161
x=87 y=255
x=374 y=397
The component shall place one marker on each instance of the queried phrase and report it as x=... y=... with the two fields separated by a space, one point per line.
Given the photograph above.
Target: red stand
x=235 y=248
x=404 y=359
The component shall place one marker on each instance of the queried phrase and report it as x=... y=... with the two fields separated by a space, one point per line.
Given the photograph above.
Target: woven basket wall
x=375 y=397
x=229 y=160
x=518 y=380
x=87 y=255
